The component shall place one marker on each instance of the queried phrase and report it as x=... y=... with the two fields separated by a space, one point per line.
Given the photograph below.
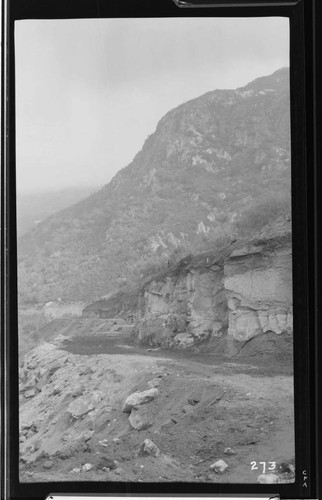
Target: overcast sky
x=89 y=92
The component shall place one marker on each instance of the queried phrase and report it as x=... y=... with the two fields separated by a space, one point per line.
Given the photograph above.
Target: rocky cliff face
x=182 y=311
x=215 y=301
x=258 y=287
x=247 y=293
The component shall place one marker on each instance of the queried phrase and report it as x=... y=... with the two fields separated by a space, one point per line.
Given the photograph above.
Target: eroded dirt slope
x=203 y=410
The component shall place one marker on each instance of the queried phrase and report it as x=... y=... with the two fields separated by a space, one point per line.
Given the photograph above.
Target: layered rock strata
x=183 y=310
x=258 y=287
x=248 y=293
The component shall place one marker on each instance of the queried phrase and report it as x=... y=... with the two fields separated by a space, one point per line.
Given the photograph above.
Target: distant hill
x=215 y=168
x=35 y=207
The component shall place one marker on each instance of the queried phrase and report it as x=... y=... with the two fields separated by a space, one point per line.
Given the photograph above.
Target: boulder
x=194 y=399
x=139 y=398
x=103 y=442
x=48 y=464
x=78 y=390
x=220 y=466
x=230 y=451
x=87 y=371
x=84 y=404
x=149 y=448
x=140 y=419
x=87 y=467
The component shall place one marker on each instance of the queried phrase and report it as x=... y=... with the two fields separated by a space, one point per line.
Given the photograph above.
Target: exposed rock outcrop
x=182 y=310
x=215 y=301
x=258 y=286
x=246 y=292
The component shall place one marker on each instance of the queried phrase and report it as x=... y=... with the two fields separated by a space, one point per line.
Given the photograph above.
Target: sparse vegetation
x=265 y=211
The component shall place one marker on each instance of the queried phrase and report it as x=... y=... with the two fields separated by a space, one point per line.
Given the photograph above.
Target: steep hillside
x=215 y=167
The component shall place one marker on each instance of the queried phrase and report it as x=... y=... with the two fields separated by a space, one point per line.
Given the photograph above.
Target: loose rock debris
x=197 y=414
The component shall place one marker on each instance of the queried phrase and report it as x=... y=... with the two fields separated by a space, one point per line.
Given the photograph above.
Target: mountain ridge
x=209 y=161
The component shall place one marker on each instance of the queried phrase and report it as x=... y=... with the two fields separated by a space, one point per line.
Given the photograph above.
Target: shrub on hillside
x=264 y=212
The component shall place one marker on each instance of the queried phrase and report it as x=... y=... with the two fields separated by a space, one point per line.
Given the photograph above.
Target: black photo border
x=306 y=179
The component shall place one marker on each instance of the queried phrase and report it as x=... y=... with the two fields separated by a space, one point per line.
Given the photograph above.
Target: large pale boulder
x=220 y=466
x=139 y=398
x=84 y=404
x=140 y=419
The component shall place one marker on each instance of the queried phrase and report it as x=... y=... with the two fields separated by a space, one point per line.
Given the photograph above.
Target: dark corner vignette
x=303 y=182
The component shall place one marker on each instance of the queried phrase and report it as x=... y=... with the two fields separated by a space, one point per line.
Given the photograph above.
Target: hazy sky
x=89 y=92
